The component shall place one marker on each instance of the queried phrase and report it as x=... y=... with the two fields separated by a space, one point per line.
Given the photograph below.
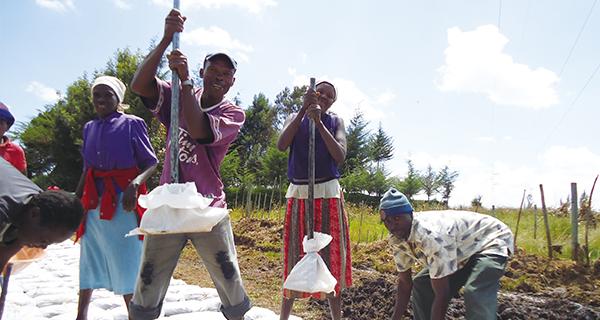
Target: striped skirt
x=330 y=218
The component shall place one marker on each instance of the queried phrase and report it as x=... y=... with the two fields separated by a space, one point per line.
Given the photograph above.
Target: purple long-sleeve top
x=120 y=141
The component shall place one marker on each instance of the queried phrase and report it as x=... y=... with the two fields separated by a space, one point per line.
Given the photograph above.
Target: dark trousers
x=480 y=278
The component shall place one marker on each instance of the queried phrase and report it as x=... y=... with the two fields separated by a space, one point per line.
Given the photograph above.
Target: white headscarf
x=114 y=83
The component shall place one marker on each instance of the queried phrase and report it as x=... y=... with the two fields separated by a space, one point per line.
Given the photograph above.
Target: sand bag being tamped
x=177 y=208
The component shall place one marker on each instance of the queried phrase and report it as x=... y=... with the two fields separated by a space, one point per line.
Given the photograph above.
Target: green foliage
x=431 y=182
x=256 y=133
x=274 y=163
x=229 y=171
x=52 y=140
x=381 y=146
x=412 y=184
x=288 y=102
x=357 y=138
x=447 y=179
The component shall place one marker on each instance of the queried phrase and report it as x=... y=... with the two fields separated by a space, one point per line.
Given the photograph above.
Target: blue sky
x=504 y=92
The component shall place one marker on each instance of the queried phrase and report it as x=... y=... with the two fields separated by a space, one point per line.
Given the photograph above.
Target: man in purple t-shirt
x=208 y=123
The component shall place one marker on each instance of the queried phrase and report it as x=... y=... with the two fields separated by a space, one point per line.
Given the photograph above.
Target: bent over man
x=456 y=248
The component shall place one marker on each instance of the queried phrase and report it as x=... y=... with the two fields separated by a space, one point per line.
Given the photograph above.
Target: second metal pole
x=311 y=173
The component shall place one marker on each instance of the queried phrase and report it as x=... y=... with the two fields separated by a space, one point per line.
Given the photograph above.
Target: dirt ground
x=533 y=287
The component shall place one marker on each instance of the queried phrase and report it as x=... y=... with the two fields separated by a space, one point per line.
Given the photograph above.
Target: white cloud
x=475 y=63
x=304 y=57
x=121 y=4
x=503 y=186
x=57 y=5
x=506 y=138
x=253 y=6
x=350 y=98
x=485 y=139
x=214 y=37
x=46 y=94
x=386 y=97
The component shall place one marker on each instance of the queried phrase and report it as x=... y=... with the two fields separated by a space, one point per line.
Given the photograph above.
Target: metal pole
x=5 y=288
x=574 y=222
x=175 y=112
x=311 y=173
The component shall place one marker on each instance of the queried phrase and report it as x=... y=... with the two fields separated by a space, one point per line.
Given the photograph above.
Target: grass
x=366 y=226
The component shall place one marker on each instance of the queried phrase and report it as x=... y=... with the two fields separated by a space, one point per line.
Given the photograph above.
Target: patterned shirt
x=444 y=241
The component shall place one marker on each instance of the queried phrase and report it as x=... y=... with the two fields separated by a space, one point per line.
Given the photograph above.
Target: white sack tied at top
x=311 y=274
x=177 y=208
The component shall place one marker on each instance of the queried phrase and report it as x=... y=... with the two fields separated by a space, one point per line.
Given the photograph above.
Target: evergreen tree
x=413 y=183
x=431 y=182
x=256 y=133
x=357 y=146
x=230 y=169
x=274 y=163
x=447 y=179
x=288 y=102
x=382 y=147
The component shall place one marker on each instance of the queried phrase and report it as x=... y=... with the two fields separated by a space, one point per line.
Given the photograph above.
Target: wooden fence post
x=248 y=200
x=546 y=222
x=361 y=220
x=272 y=193
x=519 y=218
x=574 y=222
x=534 y=221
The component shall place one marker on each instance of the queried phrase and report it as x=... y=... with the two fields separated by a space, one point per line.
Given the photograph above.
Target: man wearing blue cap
x=10 y=151
x=456 y=248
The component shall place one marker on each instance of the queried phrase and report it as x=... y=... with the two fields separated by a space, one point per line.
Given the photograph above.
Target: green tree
x=431 y=182
x=356 y=181
x=229 y=171
x=256 y=133
x=357 y=146
x=52 y=140
x=447 y=179
x=412 y=184
x=288 y=102
x=382 y=147
x=274 y=163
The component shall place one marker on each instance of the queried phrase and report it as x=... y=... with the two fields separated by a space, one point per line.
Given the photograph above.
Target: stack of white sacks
x=48 y=289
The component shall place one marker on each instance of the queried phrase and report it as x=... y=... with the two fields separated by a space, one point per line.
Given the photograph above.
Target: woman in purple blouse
x=117 y=160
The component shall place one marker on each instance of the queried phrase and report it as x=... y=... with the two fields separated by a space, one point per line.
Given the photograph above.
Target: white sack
x=311 y=274
x=207 y=315
x=177 y=208
x=258 y=313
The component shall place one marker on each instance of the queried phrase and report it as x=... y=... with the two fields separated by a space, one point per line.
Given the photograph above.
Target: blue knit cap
x=394 y=202
x=6 y=115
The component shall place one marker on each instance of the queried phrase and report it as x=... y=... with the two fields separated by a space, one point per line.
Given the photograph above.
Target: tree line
x=52 y=142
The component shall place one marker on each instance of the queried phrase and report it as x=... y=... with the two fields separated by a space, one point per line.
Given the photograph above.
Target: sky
x=506 y=93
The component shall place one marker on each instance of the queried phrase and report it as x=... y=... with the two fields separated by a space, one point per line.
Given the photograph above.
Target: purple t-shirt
x=199 y=162
x=118 y=142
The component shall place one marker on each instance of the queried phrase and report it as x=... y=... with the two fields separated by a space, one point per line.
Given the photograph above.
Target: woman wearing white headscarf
x=117 y=160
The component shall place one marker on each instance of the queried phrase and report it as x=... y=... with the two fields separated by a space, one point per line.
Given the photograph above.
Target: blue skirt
x=108 y=258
